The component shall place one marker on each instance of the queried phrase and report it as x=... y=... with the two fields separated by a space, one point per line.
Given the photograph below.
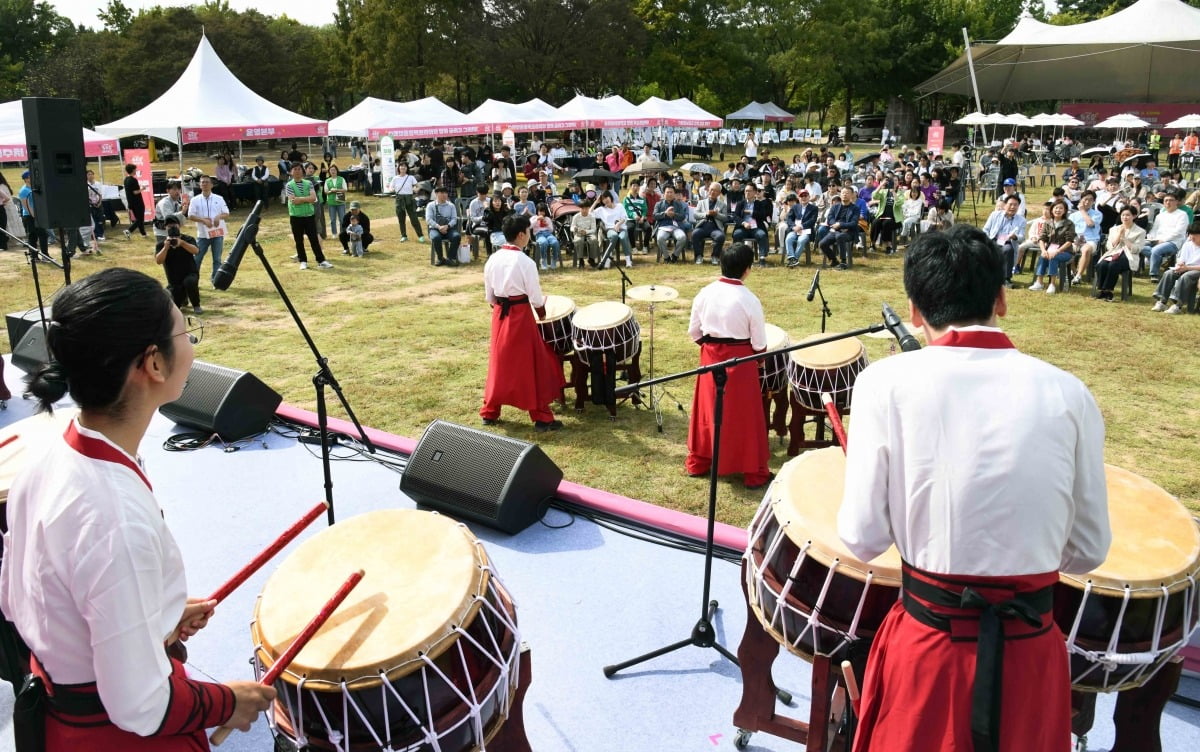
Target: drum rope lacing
x=1110 y=659
x=507 y=680
x=814 y=625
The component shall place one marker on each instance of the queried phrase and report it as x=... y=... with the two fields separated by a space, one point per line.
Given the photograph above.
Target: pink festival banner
x=429 y=131
x=91 y=149
x=1157 y=115
x=253 y=133
x=140 y=158
x=936 y=137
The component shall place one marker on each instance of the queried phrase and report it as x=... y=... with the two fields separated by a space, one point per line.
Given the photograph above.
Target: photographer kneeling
x=176 y=254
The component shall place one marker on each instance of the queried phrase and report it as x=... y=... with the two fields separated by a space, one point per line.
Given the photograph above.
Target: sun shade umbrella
x=649 y=166
x=592 y=173
x=700 y=167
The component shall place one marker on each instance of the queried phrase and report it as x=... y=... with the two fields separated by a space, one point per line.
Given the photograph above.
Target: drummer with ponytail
x=92 y=578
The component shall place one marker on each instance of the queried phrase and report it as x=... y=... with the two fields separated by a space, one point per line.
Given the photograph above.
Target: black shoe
x=840 y=268
x=543 y=426
x=770 y=477
x=491 y=421
x=761 y=264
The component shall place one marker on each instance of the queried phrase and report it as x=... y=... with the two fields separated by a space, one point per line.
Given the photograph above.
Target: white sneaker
x=608 y=264
x=628 y=263
x=1076 y=279
x=1158 y=306
x=294 y=257
x=1050 y=290
x=1173 y=309
x=1036 y=286
x=303 y=265
x=325 y=265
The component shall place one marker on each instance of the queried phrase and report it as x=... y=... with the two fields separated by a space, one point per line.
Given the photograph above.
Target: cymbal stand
x=658 y=391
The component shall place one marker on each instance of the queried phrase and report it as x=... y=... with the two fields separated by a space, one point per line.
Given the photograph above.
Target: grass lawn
x=409 y=343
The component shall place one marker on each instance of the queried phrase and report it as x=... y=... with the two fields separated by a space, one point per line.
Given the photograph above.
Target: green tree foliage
x=30 y=32
x=116 y=16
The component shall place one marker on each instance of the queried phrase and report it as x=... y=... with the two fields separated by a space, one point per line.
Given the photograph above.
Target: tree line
x=826 y=57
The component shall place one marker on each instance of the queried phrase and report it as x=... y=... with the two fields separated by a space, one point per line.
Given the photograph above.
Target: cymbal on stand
x=652 y=293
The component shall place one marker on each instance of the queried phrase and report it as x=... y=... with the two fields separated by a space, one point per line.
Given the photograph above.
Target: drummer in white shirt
x=985 y=506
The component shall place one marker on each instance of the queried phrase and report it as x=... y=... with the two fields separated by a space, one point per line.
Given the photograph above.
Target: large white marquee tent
x=13 y=141
x=1144 y=53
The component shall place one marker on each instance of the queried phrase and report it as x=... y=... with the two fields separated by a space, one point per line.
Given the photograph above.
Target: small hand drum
x=831 y=367
x=601 y=328
x=556 y=327
x=423 y=654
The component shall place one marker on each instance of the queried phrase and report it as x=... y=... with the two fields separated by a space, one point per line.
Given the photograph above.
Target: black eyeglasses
x=194 y=330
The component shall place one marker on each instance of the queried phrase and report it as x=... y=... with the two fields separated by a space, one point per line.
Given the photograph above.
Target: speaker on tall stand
x=57 y=169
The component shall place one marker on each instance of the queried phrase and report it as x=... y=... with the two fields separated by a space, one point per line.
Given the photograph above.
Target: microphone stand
x=36 y=255
x=704 y=633
x=825 y=312
x=323 y=378
x=607 y=256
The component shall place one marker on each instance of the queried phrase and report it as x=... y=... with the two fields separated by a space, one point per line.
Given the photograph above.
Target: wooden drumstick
x=298 y=644
x=851 y=686
x=9 y=440
x=835 y=419
x=288 y=536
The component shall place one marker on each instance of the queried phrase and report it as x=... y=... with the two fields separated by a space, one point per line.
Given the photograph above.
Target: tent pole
x=179 y=135
x=974 y=84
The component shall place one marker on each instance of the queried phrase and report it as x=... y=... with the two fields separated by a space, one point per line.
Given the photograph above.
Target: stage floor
x=587 y=596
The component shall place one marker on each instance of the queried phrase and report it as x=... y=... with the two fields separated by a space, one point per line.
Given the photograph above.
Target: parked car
x=866 y=128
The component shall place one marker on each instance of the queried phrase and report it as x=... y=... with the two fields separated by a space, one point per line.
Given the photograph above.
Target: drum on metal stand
x=422 y=656
x=555 y=328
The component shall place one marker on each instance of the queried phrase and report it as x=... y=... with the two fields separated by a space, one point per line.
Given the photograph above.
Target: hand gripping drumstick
x=835 y=419
x=268 y=552
x=298 y=644
x=851 y=686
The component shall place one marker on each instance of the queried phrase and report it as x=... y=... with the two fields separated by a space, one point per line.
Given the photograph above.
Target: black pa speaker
x=494 y=480
x=19 y=322
x=57 y=171
x=232 y=404
x=31 y=351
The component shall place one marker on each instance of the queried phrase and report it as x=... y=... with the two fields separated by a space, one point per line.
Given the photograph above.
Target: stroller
x=561 y=212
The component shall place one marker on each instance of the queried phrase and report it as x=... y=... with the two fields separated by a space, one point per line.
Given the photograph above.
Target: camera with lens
x=173 y=234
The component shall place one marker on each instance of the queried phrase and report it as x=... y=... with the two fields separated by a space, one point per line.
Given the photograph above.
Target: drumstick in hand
x=835 y=419
x=268 y=552
x=280 y=665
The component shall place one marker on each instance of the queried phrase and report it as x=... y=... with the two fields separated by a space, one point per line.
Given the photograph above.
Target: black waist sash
x=708 y=339
x=506 y=303
x=965 y=603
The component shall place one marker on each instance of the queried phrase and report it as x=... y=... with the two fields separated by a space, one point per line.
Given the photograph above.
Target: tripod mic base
x=704 y=635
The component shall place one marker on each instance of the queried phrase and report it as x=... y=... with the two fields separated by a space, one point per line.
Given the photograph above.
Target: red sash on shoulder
x=985 y=339
x=98 y=449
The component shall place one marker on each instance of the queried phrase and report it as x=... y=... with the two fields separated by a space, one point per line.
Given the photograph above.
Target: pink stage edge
x=727 y=536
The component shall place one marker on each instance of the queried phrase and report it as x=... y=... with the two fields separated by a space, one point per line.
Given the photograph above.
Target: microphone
x=898 y=330
x=246 y=237
x=812 y=290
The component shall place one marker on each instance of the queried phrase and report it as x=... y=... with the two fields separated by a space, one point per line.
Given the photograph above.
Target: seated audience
x=1056 y=247
x=1125 y=242
x=1178 y=284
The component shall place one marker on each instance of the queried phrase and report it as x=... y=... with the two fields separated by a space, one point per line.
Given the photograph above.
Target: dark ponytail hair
x=100 y=326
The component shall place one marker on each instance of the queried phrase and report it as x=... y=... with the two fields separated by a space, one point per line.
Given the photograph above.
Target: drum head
x=423 y=572
x=830 y=355
x=776 y=337
x=808 y=495
x=28 y=436
x=558 y=307
x=1155 y=541
x=598 y=316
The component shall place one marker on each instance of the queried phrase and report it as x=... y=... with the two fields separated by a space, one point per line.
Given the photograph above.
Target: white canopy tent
x=535 y=115
x=421 y=118
x=13 y=141
x=208 y=103
x=681 y=113
x=609 y=112
x=1143 y=53
x=768 y=112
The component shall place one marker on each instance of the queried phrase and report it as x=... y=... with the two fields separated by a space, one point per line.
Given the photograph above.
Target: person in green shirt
x=301 y=195
x=335 y=200
x=635 y=210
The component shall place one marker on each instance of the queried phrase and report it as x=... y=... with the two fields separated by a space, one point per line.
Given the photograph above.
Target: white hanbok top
x=510 y=273
x=727 y=309
x=92 y=577
x=975 y=461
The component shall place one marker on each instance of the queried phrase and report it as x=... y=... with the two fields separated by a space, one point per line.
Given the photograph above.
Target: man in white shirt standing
x=523 y=370
x=985 y=507
x=209 y=211
x=727 y=322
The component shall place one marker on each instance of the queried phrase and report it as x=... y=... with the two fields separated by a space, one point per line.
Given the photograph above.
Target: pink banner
x=685 y=123
x=530 y=127
x=1157 y=115
x=253 y=133
x=936 y=138
x=18 y=153
x=140 y=158
x=429 y=131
